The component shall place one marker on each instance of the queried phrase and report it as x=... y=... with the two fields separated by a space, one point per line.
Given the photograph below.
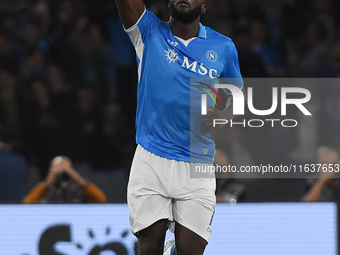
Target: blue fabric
x=13 y=174
x=168 y=120
x=173 y=250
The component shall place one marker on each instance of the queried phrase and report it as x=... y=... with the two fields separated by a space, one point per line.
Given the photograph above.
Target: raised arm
x=129 y=11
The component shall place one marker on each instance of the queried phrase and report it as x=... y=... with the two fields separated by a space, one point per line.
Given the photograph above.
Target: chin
x=185 y=15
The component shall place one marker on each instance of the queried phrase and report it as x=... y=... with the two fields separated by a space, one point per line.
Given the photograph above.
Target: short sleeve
x=143 y=29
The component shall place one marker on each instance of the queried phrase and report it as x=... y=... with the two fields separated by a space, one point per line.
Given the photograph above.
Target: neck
x=184 y=30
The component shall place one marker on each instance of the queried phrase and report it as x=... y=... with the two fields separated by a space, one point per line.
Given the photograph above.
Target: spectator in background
x=34 y=64
x=112 y=152
x=251 y=65
x=9 y=57
x=261 y=46
x=112 y=139
x=227 y=189
x=9 y=106
x=317 y=55
x=13 y=174
x=56 y=82
x=100 y=64
x=86 y=118
x=43 y=124
x=327 y=187
x=64 y=185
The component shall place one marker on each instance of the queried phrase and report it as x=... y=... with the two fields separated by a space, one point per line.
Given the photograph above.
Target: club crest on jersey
x=171 y=55
x=212 y=56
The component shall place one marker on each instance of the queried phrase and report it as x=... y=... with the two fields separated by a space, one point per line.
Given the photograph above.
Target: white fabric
x=161 y=188
x=137 y=41
x=185 y=42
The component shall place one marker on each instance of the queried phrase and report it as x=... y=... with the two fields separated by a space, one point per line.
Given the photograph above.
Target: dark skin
x=151 y=239
x=184 y=30
x=131 y=10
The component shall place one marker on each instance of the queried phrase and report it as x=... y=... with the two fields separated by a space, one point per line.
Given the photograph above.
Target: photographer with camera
x=327 y=186
x=64 y=185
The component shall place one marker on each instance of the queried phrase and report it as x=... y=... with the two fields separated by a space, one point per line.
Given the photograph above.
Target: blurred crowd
x=67 y=84
x=68 y=78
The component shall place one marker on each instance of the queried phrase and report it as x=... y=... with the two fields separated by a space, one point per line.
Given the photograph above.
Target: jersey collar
x=202 y=33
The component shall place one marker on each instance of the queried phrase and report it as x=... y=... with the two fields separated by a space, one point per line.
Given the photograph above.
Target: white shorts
x=161 y=188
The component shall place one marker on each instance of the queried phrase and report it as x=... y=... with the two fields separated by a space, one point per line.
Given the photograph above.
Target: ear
x=204 y=8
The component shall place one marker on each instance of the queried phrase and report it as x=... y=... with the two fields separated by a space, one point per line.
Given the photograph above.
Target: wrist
x=324 y=181
x=47 y=183
x=83 y=183
x=79 y=179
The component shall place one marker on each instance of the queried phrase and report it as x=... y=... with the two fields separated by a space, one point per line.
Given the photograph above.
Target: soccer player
x=171 y=136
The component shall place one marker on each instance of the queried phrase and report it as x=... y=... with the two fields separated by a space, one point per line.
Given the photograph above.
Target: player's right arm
x=130 y=11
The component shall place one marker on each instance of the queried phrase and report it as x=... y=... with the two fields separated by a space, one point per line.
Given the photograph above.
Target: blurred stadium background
x=68 y=87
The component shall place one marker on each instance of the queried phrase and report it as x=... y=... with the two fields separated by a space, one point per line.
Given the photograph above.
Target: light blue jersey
x=169 y=122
